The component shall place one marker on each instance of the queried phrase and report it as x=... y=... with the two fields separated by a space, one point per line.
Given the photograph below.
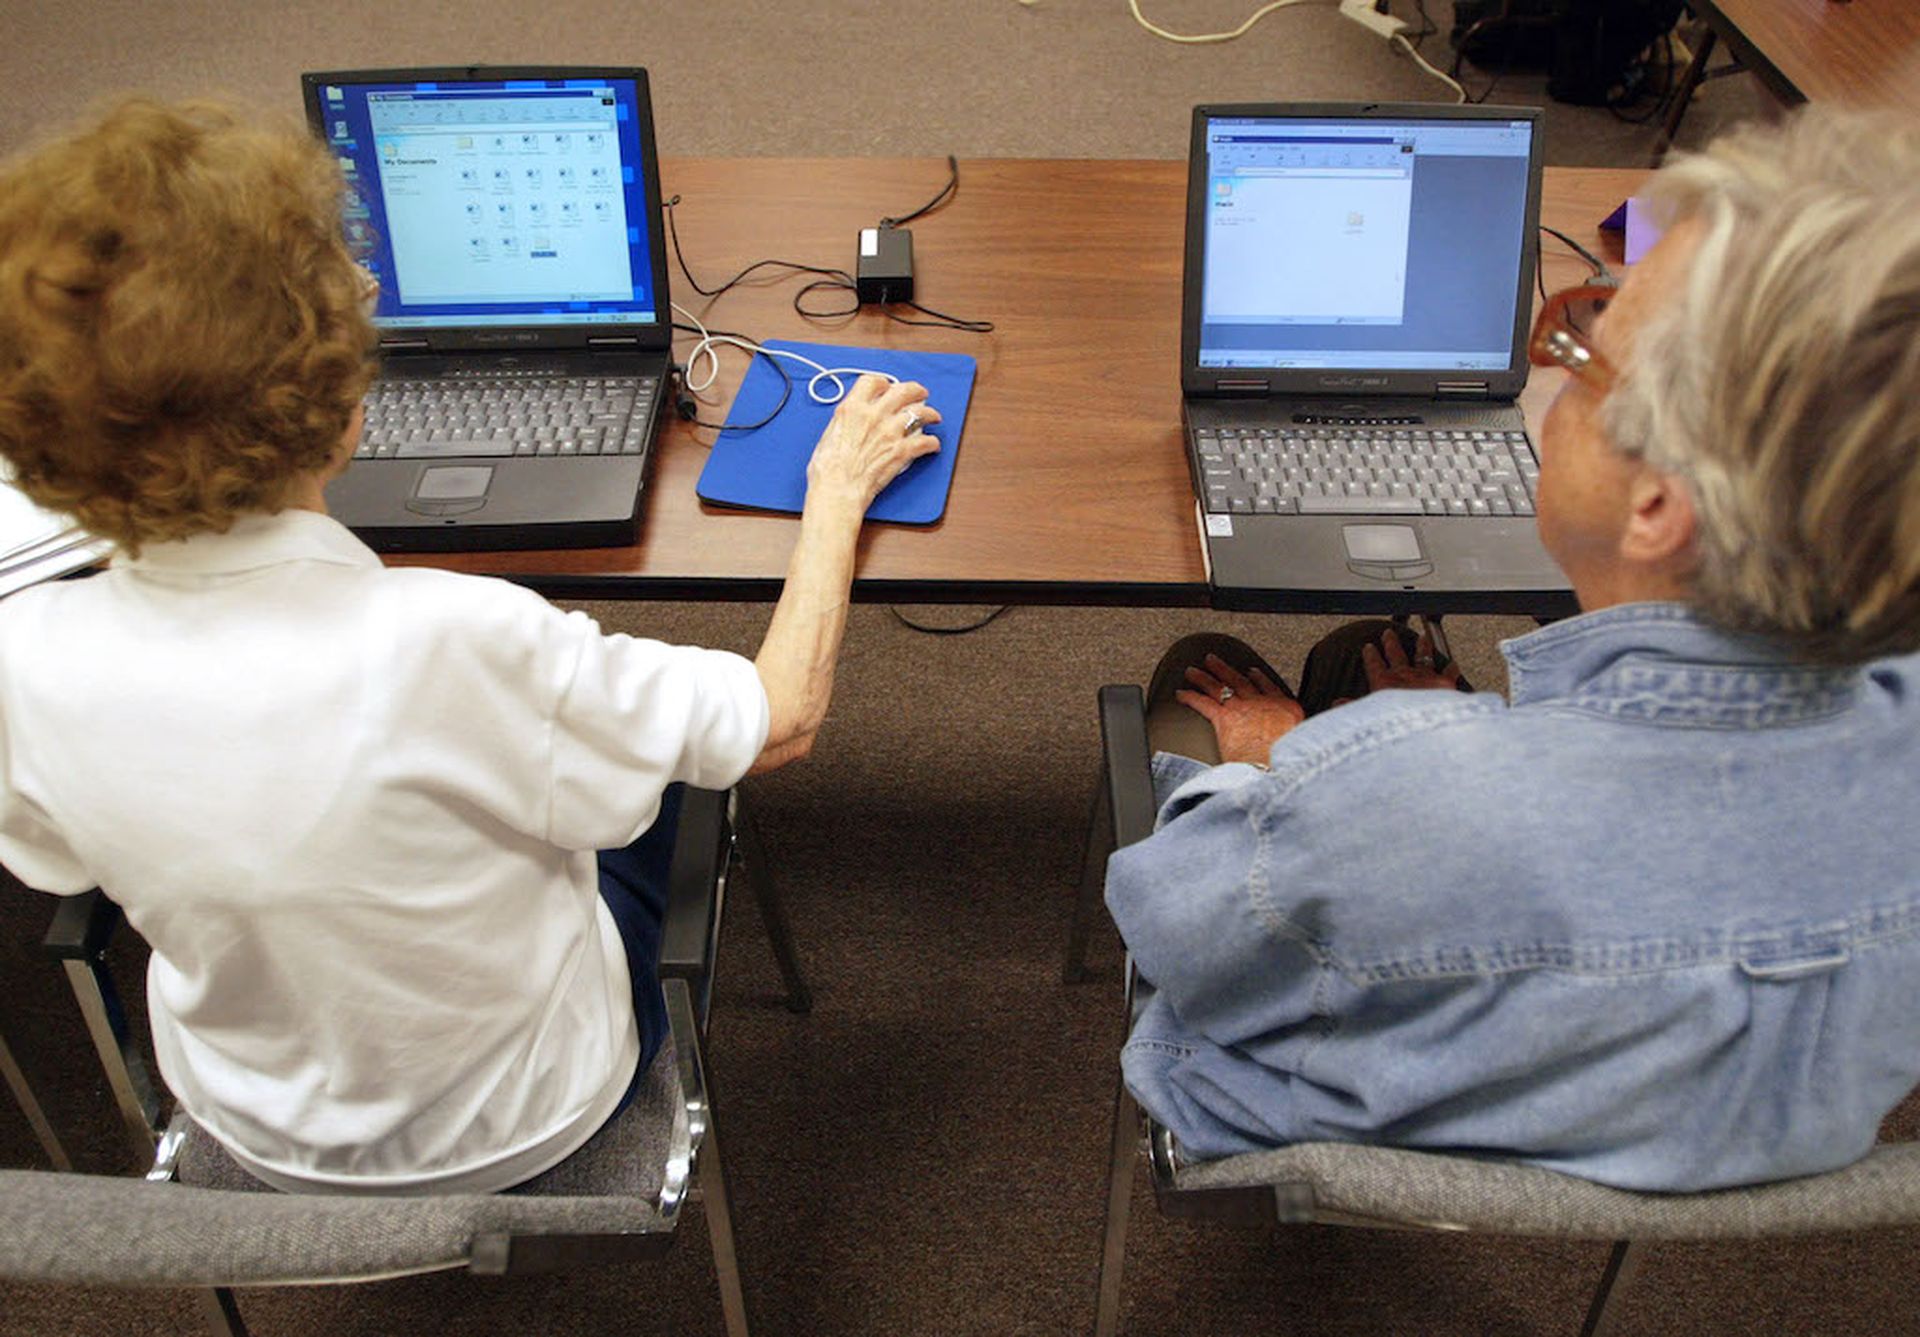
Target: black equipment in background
x=1595 y=52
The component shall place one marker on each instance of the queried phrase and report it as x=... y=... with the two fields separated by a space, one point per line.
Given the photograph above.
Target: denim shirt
x=1655 y=923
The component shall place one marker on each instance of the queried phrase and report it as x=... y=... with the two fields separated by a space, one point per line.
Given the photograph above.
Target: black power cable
x=837 y=280
x=1427 y=26
x=946 y=193
x=1599 y=265
x=832 y=280
x=941 y=321
x=1600 y=270
x=832 y=275
x=1669 y=86
x=928 y=629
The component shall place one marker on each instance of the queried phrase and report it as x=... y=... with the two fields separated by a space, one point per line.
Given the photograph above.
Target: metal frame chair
x=30 y=1106
x=618 y=1199
x=1392 y=1188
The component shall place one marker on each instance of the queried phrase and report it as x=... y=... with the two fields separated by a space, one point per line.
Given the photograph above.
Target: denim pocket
x=1785 y=968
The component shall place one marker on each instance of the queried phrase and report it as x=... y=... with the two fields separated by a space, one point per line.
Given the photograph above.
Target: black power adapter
x=883 y=268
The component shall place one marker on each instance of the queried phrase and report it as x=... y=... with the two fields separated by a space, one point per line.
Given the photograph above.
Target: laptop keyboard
x=1366 y=470
x=507 y=415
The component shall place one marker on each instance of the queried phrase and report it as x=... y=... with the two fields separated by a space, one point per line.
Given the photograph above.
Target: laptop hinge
x=614 y=341
x=1461 y=390
x=402 y=345
x=1240 y=387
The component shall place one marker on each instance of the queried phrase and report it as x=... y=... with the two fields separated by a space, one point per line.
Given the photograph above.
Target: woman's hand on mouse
x=878 y=429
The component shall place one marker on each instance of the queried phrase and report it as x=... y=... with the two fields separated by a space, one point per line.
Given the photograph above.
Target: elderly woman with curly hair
x=1653 y=920
x=397 y=837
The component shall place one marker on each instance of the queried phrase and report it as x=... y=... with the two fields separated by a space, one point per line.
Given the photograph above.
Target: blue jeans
x=633 y=883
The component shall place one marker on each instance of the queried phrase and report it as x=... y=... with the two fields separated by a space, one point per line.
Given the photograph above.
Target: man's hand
x=1393 y=670
x=1249 y=712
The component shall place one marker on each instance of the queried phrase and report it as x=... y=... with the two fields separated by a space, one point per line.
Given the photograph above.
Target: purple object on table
x=1642 y=231
x=1633 y=219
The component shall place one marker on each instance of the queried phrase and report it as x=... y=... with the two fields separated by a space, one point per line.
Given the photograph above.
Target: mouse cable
x=930 y=630
x=711 y=340
x=689 y=408
x=946 y=193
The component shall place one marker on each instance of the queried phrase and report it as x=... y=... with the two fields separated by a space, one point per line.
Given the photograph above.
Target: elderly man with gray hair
x=1655 y=920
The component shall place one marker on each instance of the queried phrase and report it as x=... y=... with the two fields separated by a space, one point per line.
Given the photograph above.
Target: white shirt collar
x=256 y=541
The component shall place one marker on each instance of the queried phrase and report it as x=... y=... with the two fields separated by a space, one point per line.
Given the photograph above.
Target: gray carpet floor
x=924 y=1153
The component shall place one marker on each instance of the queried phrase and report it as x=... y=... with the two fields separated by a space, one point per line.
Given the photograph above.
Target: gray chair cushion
x=627 y=1158
x=228 y=1229
x=1393 y=1185
x=97 y=1230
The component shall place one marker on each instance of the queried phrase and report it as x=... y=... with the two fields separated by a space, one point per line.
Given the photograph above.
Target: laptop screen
x=1383 y=244
x=480 y=202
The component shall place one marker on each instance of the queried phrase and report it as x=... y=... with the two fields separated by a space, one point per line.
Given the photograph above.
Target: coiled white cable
x=709 y=341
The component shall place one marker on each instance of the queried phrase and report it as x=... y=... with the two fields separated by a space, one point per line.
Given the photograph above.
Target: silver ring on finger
x=1226 y=695
x=1424 y=661
x=912 y=422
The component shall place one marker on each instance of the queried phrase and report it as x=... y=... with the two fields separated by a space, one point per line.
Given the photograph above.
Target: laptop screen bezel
x=655 y=334
x=1200 y=381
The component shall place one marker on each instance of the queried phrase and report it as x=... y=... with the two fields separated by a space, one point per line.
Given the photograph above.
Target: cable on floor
x=930 y=630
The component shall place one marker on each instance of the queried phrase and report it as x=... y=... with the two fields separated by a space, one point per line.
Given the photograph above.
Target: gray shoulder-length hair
x=1782 y=381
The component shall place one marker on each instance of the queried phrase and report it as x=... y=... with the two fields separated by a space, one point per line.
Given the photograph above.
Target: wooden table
x=1072 y=484
x=1859 y=52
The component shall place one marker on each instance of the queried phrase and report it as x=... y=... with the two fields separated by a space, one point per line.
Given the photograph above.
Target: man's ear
x=1660 y=520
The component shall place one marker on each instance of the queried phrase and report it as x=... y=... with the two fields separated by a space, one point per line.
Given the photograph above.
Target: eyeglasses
x=1563 y=334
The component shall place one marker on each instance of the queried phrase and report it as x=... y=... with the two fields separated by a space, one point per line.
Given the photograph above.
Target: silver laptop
x=511 y=217
x=1357 y=296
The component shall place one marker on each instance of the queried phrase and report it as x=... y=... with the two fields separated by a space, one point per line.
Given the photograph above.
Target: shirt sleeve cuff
x=1180 y=783
x=738 y=705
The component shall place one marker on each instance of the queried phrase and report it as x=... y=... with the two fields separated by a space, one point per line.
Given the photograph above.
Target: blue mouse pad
x=767 y=467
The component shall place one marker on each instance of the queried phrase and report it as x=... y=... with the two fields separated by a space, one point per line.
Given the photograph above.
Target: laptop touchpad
x=1382 y=543
x=451 y=489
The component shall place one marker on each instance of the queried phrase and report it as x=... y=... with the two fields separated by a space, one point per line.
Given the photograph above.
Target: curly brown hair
x=182 y=337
